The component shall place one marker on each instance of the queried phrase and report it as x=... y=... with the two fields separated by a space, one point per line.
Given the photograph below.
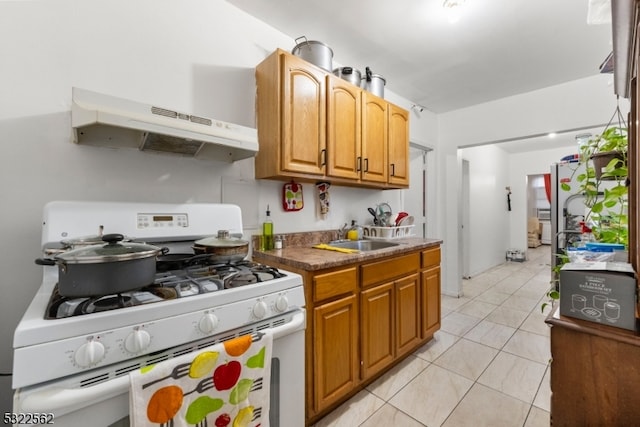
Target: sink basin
x=363 y=245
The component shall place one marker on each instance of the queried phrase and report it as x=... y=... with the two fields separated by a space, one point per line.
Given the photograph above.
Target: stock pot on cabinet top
x=314 y=52
x=349 y=74
x=105 y=269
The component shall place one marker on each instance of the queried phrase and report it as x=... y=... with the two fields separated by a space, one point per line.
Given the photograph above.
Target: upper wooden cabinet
x=344 y=137
x=312 y=124
x=398 y=146
x=374 y=138
x=291 y=104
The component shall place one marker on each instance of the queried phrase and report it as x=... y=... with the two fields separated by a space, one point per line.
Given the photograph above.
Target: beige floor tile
x=489 y=333
x=467 y=358
x=458 y=324
x=396 y=378
x=533 y=289
x=538 y=418
x=507 y=316
x=475 y=308
x=353 y=412
x=514 y=376
x=530 y=346
x=390 y=416
x=439 y=344
x=543 y=397
x=488 y=278
x=471 y=289
x=509 y=285
x=535 y=323
x=483 y=406
x=442 y=389
x=515 y=302
x=493 y=296
x=453 y=303
x=444 y=312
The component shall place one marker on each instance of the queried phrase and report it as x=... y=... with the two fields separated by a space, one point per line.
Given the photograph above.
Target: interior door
x=415 y=198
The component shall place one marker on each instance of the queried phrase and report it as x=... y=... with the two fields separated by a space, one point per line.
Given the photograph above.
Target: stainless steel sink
x=363 y=245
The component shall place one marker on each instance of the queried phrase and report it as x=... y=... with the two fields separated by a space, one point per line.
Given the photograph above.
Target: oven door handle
x=297 y=322
x=61 y=400
x=56 y=399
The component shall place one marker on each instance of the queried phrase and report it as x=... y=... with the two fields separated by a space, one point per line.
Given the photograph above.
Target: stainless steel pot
x=374 y=83
x=105 y=269
x=222 y=248
x=314 y=52
x=349 y=74
x=77 y=242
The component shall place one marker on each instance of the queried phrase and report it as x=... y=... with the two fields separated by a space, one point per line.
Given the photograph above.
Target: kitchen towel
x=224 y=384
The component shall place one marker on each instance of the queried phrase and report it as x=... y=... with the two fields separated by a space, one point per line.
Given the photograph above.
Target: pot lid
x=96 y=239
x=114 y=250
x=221 y=240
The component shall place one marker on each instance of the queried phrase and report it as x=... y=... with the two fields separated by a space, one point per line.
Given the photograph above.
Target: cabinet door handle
x=393 y=169
x=366 y=165
x=358 y=164
x=323 y=157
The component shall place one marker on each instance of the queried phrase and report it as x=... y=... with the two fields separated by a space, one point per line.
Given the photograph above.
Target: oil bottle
x=267 y=232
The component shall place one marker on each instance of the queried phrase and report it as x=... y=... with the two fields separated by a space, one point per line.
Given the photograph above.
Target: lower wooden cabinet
x=389 y=323
x=336 y=361
x=407 y=314
x=377 y=335
x=594 y=374
x=430 y=296
x=362 y=319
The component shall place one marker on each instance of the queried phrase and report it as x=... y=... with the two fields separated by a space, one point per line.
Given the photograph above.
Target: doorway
x=464 y=225
x=415 y=202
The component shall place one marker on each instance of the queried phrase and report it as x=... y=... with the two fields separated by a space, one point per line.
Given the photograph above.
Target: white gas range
x=72 y=356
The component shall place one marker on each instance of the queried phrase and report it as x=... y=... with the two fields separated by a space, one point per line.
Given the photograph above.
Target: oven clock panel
x=155 y=220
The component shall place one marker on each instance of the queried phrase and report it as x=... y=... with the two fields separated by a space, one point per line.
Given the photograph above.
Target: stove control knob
x=259 y=310
x=89 y=353
x=208 y=323
x=282 y=303
x=137 y=341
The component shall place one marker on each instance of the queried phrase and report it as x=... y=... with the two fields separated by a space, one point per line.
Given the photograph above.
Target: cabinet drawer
x=335 y=283
x=378 y=272
x=431 y=257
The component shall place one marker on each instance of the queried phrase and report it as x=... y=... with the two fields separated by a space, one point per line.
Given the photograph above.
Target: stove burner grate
x=191 y=281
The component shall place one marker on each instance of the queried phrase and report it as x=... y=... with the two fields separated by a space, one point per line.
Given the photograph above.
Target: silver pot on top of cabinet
x=349 y=74
x=374 y=83
x=315 y=52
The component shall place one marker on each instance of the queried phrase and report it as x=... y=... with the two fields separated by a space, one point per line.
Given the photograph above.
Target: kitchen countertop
x=310 y=259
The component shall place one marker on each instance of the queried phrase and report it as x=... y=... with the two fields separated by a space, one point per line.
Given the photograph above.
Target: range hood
x=103 y=120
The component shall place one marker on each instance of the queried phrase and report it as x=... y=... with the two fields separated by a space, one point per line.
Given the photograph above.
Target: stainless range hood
x=103 y=120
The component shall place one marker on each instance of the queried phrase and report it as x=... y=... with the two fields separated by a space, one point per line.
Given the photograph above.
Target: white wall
x=197 y=56
x=488 y=213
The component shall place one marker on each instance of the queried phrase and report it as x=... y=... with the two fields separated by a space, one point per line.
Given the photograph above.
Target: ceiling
x=496 y=49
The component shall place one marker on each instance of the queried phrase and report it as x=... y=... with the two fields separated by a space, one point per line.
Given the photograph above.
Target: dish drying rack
x=373 y=232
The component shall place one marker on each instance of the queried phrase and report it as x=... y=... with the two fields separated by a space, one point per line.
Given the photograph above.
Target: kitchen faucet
x=342 y=232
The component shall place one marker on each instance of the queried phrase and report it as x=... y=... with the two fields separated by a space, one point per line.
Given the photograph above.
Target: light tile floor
x=487 y=366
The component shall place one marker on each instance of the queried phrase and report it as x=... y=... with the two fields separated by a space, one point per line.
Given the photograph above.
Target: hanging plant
x=601 y=174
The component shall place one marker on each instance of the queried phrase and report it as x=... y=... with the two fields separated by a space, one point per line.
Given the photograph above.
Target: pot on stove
x=222 y=248
x=78 y=242
x=105 y=269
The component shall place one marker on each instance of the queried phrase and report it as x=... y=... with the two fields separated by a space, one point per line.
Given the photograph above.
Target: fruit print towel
x=226 y=384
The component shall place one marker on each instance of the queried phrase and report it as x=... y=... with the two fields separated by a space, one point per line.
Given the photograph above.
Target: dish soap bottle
x=355 y=232
x=267 y=232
